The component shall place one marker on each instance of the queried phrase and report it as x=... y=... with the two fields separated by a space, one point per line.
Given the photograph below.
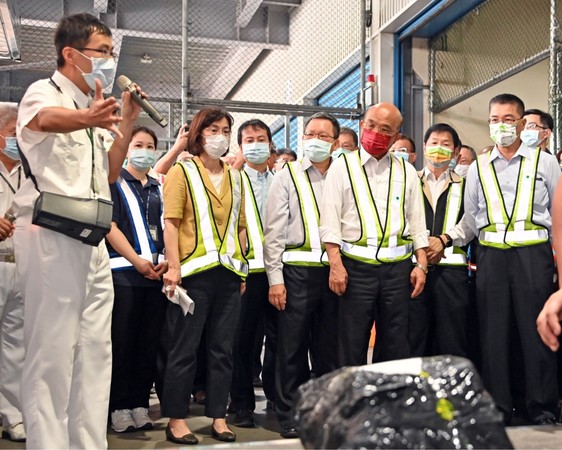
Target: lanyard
x=8 y=181
x=146 y=208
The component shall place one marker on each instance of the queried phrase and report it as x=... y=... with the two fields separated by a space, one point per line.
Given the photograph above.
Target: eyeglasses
x=348 y=146
x=507 y=120
x=379 y=129
x=321 y=136
x=399 y=149
x=213 y=131
x=103 y=52
x=534 y=126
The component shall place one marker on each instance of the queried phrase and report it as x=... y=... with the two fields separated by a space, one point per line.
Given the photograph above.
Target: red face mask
x=376 y=144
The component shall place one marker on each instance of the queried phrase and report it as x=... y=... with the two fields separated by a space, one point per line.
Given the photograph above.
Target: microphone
x=127 y=85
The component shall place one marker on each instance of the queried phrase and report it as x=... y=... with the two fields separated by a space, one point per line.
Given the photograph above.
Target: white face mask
x=216 y=145
x=531 y=138
x=462 y=169
x=316 y=150
x=103 y=69
x=503 y=134
x=256 y=152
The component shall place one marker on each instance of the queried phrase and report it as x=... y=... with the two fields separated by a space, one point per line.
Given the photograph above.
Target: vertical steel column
x=363 y=53
x=184 y=71
x=555 y=97
x=431 y=70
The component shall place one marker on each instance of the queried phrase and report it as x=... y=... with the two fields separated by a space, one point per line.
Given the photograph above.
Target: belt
x=7 y=257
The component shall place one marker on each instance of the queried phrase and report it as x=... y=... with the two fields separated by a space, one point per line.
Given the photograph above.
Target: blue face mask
x=339 y=151
x=316 y=150
x=12 y=149
x=404 y=155
x=453 y=164
x=142 y=158
x=103 y=69
x=256 y=152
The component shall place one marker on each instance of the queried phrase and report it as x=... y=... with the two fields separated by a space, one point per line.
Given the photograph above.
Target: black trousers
x=375 y=293
x=216 y=293
x=438 y=318
x=512 y=286
x=255 y=310
x=308 y=323
x=138 y=314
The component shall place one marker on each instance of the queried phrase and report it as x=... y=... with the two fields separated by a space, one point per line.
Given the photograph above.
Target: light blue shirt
x=261 y=183
x=507 y=172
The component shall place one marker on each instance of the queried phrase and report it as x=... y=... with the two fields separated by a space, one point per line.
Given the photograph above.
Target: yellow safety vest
x=454 y=256
x=210 y=250
x=312 y=251
x=376 y=246
x=518 y=229
x=254 y=227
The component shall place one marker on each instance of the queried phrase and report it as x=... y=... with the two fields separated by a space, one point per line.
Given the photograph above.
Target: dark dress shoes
x=289 y=433
x=244 y=419
x=225 y=436
x=188 y=439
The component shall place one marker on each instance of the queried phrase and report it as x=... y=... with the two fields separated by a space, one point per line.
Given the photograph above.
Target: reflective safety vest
x=254 y=228
x=515 y=230
x=210 y=250
x=312 y=251
x=376 y=246
x=143 y=245
x=454 y=256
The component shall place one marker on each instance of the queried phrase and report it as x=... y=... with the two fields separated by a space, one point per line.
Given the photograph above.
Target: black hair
x=504 y=99
x=352 y=133
x=141 y=129
x=255 y=124
x=286 y=151
x=546 y=119
x=74 y=31
x=443 y=128
x=326 y=116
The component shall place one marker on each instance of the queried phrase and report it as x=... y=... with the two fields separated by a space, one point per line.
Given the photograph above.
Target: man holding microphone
x=63 y=133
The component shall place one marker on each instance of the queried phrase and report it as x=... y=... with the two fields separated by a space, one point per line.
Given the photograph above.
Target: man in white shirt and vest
x=297 y=269
x=254 y=139
x=439 y=316
x=11 y=301
x=372 y=220
x=63 y=132
x=508 y=198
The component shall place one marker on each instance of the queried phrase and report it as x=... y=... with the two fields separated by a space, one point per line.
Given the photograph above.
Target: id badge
x=153 y=229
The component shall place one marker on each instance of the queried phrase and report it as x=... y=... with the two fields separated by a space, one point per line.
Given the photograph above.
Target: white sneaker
x=142 y=419
x=122 y=421
x=14 y=432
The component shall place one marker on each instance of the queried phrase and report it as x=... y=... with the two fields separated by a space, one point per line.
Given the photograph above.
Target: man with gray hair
x=11 y=302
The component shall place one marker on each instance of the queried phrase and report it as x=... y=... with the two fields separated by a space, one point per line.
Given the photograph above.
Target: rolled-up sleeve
x=276 y=225
x=331 y=206
x=415 y=210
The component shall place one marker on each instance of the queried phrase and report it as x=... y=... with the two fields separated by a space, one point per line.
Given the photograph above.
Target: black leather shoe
x=188 y=439
x=546 y=421
x=225 y=436
x=244 y=419
x=289 y=433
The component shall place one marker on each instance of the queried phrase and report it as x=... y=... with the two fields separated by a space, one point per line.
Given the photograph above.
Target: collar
x=256 y=174
x=450 y=174
x=522 y=151
x=4 y=169
x=306 y=163
x=366 y=156
x=68 y=87
x=128 y=177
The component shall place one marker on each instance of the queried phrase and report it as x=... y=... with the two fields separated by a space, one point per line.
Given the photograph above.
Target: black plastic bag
x=435 y=402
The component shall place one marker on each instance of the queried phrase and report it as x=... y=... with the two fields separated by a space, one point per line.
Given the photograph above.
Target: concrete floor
x=266 y=434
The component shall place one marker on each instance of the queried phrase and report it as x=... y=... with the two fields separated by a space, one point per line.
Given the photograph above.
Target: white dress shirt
x=261 y=183
x=339 y=218
x=507 y=172
x=284 y=222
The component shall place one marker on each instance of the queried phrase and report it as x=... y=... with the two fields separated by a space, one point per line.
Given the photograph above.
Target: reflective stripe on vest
x=373 y=247
x=254 y=227
x=454 y=256
x=311 y=252
x=517 y=230
x=209 y=250
x=145 y=248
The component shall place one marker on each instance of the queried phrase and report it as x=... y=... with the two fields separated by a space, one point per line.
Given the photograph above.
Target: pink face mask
x=376 y=144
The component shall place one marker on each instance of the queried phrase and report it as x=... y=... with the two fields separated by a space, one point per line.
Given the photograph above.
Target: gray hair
x=8 y=112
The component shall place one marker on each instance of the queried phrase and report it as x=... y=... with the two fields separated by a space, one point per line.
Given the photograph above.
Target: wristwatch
x=422 y=267
x=449 y=242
